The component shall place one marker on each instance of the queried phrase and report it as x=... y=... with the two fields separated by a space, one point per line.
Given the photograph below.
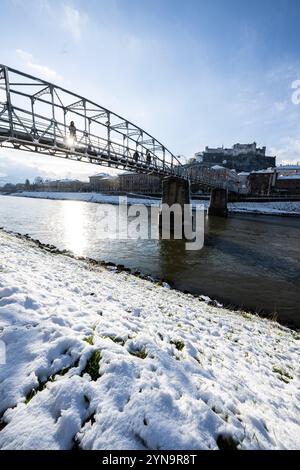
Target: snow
x=263 y=208
x=267 y=170
x=174 y=371
x=102 y=175
x=288 y=167
x=290 y=177
x=88 y=197
x=275 y=208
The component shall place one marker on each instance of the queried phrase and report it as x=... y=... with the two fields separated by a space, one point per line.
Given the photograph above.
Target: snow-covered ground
x=275 y=208
x=267 y=208
x=88 y=197
x=99 y=359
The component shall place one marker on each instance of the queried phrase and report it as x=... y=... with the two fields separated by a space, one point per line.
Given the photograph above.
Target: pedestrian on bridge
x=72 y=130
x=136 y=156
x=148 y=158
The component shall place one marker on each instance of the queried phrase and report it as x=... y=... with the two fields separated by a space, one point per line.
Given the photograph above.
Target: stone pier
x=174 y=191
x=218 y=202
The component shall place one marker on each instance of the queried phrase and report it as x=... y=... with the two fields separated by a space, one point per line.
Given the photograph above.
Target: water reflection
x=248 y=261
x=74 y=222
x=172 y=257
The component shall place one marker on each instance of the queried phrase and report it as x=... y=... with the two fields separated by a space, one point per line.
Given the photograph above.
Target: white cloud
x=16 y=166
x=280 y=106
x=288 y=152
x=42 y=70
x=74 y=22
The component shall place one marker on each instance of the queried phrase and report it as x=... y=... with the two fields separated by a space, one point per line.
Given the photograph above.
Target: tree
x=38 y=180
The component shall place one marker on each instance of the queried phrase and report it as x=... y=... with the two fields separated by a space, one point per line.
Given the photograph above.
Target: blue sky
x=192 y=73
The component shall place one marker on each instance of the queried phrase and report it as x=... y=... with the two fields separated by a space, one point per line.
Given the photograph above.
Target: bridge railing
x=36 y=115
x=56 y=138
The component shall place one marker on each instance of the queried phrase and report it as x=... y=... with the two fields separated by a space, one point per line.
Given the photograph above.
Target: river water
x=248 y=261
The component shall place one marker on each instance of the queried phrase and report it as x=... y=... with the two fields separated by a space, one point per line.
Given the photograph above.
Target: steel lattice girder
x=33 y=117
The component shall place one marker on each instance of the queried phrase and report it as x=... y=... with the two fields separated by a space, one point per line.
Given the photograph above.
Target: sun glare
x=73 y=218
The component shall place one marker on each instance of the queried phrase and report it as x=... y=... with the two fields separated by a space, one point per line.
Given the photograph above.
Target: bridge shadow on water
x=247 y=262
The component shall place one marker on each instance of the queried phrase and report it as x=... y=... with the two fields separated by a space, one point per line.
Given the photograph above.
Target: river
x=248 y=261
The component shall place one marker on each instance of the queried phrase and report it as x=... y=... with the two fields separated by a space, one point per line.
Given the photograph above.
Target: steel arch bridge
x=35 y=117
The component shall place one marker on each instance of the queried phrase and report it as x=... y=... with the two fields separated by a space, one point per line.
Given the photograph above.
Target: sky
x=192 y=73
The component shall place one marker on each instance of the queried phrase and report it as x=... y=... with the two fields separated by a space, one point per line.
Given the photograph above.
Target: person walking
x=72 y=130
x=148 y=157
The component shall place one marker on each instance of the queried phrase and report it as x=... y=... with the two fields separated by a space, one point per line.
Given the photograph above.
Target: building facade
x=287 y=185
x=104 y=183
x=216 y=173
x=65 y=185
x=140 y=183
x=126 y=183
x=262 y=182
x=274 y=182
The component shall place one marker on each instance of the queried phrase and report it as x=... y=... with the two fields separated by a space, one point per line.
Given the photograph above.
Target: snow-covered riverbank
x=273 y=208
x=268 y=208
x=101 y=360
x=87 y=197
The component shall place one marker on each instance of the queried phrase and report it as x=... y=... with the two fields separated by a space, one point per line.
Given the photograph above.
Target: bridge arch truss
x=35 y=117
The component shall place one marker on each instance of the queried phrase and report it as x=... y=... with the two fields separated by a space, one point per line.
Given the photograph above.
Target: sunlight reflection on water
x=74 y=220
x=248 y=261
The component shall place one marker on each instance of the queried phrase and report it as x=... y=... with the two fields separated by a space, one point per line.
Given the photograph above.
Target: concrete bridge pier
x=218 y=202
x=174 y=191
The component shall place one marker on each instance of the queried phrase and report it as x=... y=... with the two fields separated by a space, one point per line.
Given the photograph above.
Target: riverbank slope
x=97 y=359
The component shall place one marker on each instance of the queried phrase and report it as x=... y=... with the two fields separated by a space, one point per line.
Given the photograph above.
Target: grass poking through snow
x=92 y=365
x=179 y=345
